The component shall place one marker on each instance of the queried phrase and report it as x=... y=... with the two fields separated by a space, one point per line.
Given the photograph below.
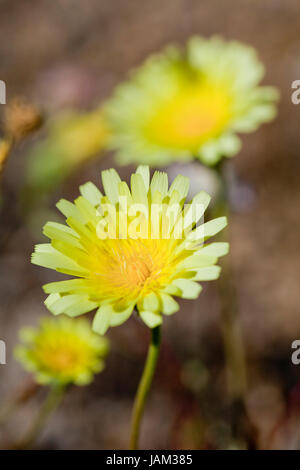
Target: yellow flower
x=62 y=351
x=80 y=135
x=73 y=138
x=190 y=104
x=130 y=248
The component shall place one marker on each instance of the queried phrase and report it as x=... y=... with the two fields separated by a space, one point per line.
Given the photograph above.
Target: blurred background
x=68 y=55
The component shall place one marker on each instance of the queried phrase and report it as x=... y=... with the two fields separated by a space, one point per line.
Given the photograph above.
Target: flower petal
x=181 y=185
x=87 y=210
x=51 y=299
x=118 y=318
x=189 y=289
x=196 y=209
x=159 y=183
x=67 y=303
x=150 y=303
x=102 y=319
x=216 y=249
x=151 y=319
x=91 y=193
x=214 y=226
x=124 y=191
x=197 y=260
x=110 y=181
x=53 y=230
x=71 y=286
x=69 y=210
x=45 y=255
x=83 y=306
x=138 y=189
x=169 y=305
x=207 y=274
x=144 y=171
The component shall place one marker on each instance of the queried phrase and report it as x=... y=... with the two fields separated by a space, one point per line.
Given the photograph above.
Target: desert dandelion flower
x=72 y=139
x=129 y=248
x=59 y=352
x=62 y=351
x=190 y=104
x=124 y=253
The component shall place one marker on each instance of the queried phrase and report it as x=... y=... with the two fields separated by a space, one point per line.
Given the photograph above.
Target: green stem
x=234 y=347
x=230 y=320
x=50 y=404
x=144 y=387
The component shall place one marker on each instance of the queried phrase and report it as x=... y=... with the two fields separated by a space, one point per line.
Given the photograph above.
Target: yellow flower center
x=125 y=269
x=62 y=360
x=62 y=353
x=194 y=114
x=137 y=270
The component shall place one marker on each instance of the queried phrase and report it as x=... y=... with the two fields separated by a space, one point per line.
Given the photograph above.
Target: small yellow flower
x=62 y=351
x=73 y=138
x=130 y=248
x=190 y=104
x=80 y=135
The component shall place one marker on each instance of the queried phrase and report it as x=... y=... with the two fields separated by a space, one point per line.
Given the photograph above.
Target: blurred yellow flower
x=62 y=351
x=79 y=135
x=190 y=104
x=73 y=137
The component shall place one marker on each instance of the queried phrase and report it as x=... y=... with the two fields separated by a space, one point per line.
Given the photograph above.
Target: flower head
x=130 y=248
x=73 y=138
x=80 y=135
x=190 y=104
x=62 y=351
